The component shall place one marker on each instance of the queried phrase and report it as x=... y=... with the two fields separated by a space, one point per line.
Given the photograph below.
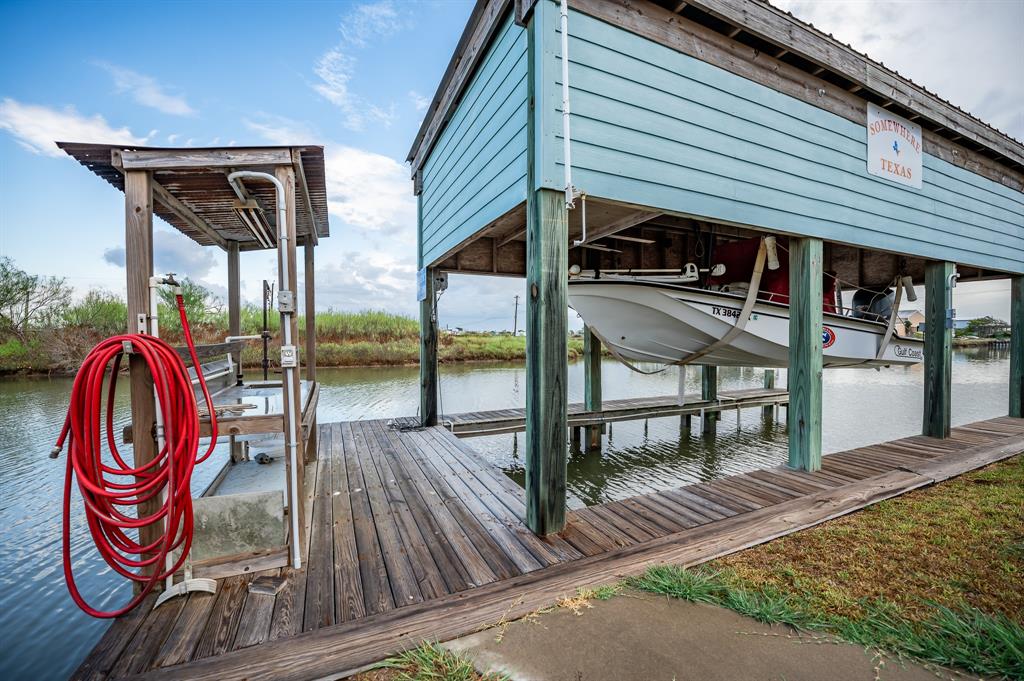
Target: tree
x=200 y=303
x=29 y=299
x=984 y=327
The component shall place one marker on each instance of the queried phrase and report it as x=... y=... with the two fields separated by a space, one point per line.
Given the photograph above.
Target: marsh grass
x=431 y=662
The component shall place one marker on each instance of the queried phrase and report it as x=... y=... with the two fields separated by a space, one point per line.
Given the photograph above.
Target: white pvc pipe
x=566 y=137
x=286 y=331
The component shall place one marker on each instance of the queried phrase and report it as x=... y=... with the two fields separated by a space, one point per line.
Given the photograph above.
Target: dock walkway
x=415 y=537
x=499 y=421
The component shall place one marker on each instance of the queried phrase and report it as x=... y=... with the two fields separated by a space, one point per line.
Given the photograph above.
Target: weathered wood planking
x=433 y=501
x=500 y=421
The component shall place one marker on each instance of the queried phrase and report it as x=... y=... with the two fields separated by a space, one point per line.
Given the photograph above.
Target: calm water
x=45 y=636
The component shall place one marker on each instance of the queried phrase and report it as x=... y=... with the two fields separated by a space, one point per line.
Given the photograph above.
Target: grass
x=933 y=575
x=429 y=662
x=344 y=339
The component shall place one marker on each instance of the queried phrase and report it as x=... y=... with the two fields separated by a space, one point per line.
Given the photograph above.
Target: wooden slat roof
x=192 y=192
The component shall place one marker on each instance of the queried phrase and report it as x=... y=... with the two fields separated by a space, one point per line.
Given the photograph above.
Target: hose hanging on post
x=103 y=495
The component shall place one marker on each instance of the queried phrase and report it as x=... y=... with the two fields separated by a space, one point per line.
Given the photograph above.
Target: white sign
x=894 y=147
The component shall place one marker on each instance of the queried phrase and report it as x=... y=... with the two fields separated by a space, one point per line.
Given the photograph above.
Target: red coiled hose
x=106 y=489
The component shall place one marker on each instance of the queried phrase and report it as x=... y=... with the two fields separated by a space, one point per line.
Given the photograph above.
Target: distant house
x=914 y=320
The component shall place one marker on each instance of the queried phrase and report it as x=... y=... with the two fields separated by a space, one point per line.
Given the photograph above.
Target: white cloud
x=336 y=67
x=354 y=281
x=147 y=91
x=987 y=84
x=369 y=191
x=37 y=127
x=280 y=130
x=172 y=252
x=418 y=100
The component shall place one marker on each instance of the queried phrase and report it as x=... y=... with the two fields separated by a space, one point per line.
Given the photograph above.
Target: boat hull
x=657 y=322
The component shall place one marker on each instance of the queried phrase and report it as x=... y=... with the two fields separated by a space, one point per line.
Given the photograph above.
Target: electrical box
x=286 y=301
x=289 y=357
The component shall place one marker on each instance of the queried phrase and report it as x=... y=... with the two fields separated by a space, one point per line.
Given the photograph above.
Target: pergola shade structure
x=238 y=199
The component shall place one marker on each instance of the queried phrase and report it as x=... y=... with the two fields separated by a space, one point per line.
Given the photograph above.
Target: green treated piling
x=805 y=353
x=1017 y=347
x=938 y=348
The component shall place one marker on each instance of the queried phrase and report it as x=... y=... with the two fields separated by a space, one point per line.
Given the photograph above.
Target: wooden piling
x=428 y=354
x=235 y=304
x=1017 y=346
x=309 y=274
x=592 y=382
x=938 y=348
x=546 y=370
x=769 y=383
x=709 y=393
x=138 y=223
x=805 y=353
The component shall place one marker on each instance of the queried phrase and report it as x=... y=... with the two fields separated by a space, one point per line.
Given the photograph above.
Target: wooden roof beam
x=300 y=177
x=177 y=159
x=631 y=220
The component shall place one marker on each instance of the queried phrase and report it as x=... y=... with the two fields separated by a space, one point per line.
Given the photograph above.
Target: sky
x=355 y=77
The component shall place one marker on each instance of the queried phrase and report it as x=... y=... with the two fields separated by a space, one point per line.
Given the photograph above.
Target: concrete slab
x=641 y=636
x=238 y=523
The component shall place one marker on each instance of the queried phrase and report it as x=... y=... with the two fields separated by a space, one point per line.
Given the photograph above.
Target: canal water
x=45 y=636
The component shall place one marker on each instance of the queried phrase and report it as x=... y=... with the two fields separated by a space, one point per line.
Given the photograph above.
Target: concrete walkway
x=653 y=638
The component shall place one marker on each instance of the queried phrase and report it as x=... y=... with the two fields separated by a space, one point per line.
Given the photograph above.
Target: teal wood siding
x=655 y=127
x=476 y=172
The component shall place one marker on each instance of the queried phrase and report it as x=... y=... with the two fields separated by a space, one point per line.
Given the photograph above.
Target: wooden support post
x=138 y=242
x=592 y=383
x=1017 y=346
x=546 y=370
x=938 y=347
x=292 y=431
x=428 y=353
x=235 y=304
x=805 y=353
x=709 y=392
x=769 y=384
x=309 y=275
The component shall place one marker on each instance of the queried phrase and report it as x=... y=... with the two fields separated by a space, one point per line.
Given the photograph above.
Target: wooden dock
x=415 y=537
x=499 y=421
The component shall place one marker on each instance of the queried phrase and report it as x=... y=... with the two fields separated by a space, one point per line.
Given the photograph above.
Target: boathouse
x=691 y=124
x=685 y=124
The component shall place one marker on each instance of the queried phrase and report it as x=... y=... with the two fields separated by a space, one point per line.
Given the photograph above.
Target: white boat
x=653 y=320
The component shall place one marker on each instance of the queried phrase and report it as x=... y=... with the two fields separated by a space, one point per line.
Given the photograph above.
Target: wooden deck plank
x=139 y=654
x=223 y=622
x=432 y=538
x=401 y=575
x=468 y=510
x=348 y=585
x=318 y=606
x=481 y=561
x=377 y=596
x=182 y=640
x=257 y=614
x=430 y=582
x=732 y=502
x=508 y=493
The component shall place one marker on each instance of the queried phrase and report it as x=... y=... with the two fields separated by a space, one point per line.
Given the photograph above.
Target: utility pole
x=515 y=318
